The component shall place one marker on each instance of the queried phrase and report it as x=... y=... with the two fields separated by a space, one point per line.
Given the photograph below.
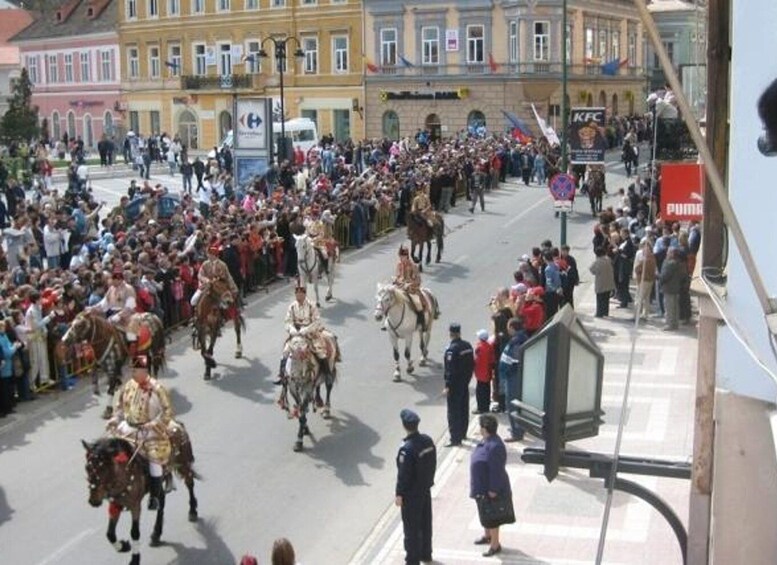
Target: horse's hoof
x=135 y=559
x=422 y=363
x=325 y=414
x=107 y=413
x=238 y=354
x=124 y=546
x=193 y=516
x=298 y=446
x=410 y=369
x=328 y=297
x=154 y=542
x=397 y=378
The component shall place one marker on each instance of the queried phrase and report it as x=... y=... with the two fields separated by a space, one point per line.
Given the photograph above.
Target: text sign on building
x=587 y=140
x=451 y=40
x=682 y=191
x=253 y=123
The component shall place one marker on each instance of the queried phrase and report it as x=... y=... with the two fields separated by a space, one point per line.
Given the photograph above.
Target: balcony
x=218 y=82
x=531 y=69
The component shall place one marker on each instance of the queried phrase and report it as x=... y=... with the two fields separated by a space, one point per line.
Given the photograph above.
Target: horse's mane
x=110 y=446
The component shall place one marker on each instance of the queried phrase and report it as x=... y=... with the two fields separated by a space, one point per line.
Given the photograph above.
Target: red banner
x=682 y=191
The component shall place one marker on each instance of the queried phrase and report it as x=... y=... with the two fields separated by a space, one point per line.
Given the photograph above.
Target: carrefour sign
x=253 y=123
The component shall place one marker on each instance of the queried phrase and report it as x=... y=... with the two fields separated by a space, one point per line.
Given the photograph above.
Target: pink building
x=71 y=55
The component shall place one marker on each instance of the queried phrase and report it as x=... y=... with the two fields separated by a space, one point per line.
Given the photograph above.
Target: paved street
x=326 y=500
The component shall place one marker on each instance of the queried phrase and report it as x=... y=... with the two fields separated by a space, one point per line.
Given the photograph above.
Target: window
x=154 y=70
x=277 y=3
x=589 y=44
x=134 y=118
x=153 y=118
x=603 y=45
x=187 y=129
x=252 y=4
x=475 y=121
x=88 y=131
x=542 y=41
x=31 y=63
x=475 y=47
x=669 y=47
x=108 y=123
x=340 y=52
x=71 y=124
x=222 y=5
x=200 y=62
x=173 y=7
x=388 y=47
x=309 y=2
x=132 y=63
x=253 y=61
x=198 y=6
x=56 y=126
x=225 y=59
x=106 y=68
x=632 y=50
x=512 y=45
x=430 y=46
x=68 y=67
x=390 y=126
x=310 y=48
x=153 y=8
x=174 y=60
x=615 y=45
x=51 y=67
x=86 y=66
x=132 y=9
x=569 y=43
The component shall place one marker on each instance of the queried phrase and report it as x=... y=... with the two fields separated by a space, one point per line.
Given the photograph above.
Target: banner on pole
x=587 y=140
x=546 y=130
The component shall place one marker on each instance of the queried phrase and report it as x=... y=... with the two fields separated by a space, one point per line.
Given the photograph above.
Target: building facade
x=448 y=64
x=12 y=21
x=185 y=61
x=72 y=57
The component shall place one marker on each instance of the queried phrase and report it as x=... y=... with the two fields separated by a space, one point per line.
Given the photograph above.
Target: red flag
x=372 y=67
x=492 y=64
x=623 y=63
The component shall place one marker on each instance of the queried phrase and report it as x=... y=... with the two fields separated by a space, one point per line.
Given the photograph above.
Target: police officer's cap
x=455 y=328
x=409 y=417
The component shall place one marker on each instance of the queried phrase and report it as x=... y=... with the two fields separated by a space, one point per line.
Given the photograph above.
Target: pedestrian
x=645 y=272
x=673 y=275
x=282 y=552
x=7 y=351
x=478 y=188
x=490 y=485
x=604 y=281
x=416 y=465
x=571 y=278
x=459 y=363
x=484 y=372
x=510 y=376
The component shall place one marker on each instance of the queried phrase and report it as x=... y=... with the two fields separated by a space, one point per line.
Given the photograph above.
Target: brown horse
x=419 y=232
x=210 y=318
x=110 y=345
x=596 y=189
x=115 y=472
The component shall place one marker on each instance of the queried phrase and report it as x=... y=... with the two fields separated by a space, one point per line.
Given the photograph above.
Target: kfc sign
x=682 y=191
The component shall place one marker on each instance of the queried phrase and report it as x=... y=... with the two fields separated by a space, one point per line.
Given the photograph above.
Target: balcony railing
x=527 y=69
x=218 y=82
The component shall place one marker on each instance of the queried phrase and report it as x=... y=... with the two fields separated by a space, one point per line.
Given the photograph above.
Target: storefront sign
x=587 y=140
x=451 y=40
x=415 y=95
x=253 y=123
x=682 y=191
x=86 y=103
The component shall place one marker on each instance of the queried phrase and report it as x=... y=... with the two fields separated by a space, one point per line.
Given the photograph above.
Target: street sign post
x=562 y=187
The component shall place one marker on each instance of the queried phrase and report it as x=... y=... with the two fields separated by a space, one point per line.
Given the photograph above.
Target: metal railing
x=519 y=69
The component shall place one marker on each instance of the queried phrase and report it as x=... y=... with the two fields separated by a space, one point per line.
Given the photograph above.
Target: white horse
x=402 y=322
x=311 y=268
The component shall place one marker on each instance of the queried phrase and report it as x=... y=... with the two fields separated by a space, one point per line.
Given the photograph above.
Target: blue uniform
x=416 y=465
x=510 y=376
x=459 y=364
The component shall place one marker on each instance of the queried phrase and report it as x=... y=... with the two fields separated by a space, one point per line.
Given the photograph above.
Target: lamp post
x=279 y=45
x=564 y=111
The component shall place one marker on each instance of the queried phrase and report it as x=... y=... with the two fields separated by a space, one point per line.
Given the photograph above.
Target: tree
x=20 y=122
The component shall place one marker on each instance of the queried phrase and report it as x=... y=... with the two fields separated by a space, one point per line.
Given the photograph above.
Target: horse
x=402 y=322
x=311 y=267
x=596 y=190
x=110 y=345
x=209 y=319
x=419 y=232
x=305 y=375
x=115 y=472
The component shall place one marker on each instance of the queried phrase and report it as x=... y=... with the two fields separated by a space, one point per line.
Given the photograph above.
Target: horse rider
x=119 y=304
x=321 y=232
x=407 y=277
x=421 y=208
x=142 y=414
x=212 y=271
x=304 y=319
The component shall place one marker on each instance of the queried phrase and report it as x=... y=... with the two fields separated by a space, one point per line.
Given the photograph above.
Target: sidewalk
x=559 y=522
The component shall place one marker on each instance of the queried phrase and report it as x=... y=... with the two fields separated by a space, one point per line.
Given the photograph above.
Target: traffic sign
x=562 y=187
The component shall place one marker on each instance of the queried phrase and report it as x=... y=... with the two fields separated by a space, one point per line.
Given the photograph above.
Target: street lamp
x=279 y=46
x=564 y=111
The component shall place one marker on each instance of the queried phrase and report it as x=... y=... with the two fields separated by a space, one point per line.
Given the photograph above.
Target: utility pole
x=712 y=257
x=564 y=111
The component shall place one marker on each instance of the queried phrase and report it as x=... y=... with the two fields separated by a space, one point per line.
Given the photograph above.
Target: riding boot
x=281 y=373
x=155 y=492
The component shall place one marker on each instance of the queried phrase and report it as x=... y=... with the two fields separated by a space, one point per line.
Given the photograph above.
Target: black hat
x=455 y=327
x=409 y=417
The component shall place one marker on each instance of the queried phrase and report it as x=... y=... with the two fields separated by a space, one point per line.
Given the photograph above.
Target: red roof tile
x=12 y=22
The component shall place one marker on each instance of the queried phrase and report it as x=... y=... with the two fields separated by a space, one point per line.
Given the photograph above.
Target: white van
x=302 y=132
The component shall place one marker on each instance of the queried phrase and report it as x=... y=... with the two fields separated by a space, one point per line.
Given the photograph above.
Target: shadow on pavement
x=252 y=382
x=341 y=311
x=5 y=510
x=215 y=550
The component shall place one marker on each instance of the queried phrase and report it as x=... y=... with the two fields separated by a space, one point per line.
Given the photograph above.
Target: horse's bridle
x=384 y=312
x=93 y=339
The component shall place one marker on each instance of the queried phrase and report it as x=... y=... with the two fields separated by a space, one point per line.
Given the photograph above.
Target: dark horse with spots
x=117 y=473
x=419 y=232
x=210 y=318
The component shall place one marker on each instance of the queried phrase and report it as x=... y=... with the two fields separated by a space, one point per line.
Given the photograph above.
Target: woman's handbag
x=495 y=512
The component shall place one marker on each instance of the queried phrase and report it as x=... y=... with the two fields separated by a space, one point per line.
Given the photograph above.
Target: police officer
x=459 y=364
x=416 y=464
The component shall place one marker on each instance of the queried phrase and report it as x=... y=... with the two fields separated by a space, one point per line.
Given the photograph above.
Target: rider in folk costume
x=303 y=318
x=421 y=208
x=212 y=271
x=407 y=277
x=119 y=304
x=142 y=415
x=321 y=231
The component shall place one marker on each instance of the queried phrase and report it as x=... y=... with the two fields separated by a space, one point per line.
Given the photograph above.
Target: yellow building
x=444 y=65
x=183 y=61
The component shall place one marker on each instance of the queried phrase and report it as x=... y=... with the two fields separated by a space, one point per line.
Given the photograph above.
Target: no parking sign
x=562 y=187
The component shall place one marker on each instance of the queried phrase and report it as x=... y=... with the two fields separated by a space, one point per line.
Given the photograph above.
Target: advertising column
x=253 y=138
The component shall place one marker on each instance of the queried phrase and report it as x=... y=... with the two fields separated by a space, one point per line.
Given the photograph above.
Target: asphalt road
x=255 y=489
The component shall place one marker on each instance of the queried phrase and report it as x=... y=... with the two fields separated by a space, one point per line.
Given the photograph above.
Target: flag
x=372 y=67
x=173 y=65
x=517 y=123
x=546 y=130
x=610 y=68
x=492 y=64
x=405 y=62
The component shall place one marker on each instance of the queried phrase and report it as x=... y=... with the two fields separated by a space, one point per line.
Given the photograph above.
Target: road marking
x=65 y=548
x=526 y=212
